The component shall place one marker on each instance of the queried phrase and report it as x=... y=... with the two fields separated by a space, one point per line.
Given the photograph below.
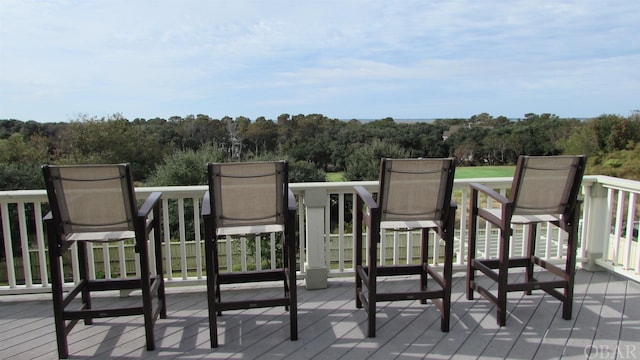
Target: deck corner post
x=597 y=233
x=316 y=271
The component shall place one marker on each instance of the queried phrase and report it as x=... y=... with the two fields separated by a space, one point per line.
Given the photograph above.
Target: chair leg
x=471 y=246
x=570 y=269
x=293 y=291
x=58 y=307
x=357 y=226
x=213 y=309
x=531 y=248
x=145 y=286
x=293 y=313
x=286 y=280
x=424 y=260
x=448 y=273
x=216 y=271
x=358 y=284
x=83 y=269
x=371 y=286
x=503 y=278
x=212 y=286
x=159 y=270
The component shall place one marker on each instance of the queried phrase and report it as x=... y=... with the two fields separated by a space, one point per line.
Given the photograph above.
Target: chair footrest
x=401 y=270
x=548 y=286
x=484 y=292
x=513 y=262
x=101 y=313
x=250 y=304
x=535 y=285
x=416 y=295
x=114 y=284
x=251 y=276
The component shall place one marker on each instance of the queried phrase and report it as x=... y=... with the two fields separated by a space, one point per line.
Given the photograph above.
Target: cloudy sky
x=364 y=59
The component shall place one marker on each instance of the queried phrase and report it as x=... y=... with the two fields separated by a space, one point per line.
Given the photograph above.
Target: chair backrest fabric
x=91 y=198
x=248 y=193
x=546 y=184
x=415 y=189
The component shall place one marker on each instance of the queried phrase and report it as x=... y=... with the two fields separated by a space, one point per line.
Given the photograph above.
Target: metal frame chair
x=413 y=194
x=544 y=189
x=249 y=198
x=96 y=203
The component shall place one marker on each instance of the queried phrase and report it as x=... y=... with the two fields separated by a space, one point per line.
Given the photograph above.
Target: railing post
x=315 y=201
x=597 y=232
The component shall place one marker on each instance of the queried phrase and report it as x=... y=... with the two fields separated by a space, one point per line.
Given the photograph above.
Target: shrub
x=186 y=167
x=364 y=162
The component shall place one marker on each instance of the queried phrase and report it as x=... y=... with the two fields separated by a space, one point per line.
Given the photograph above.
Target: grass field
x=461 y=172
x=484 y=171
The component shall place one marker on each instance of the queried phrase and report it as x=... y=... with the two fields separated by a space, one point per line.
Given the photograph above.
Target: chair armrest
x=489 y=192
x=206 y=204
x=149 y=204
x=291 y=205
x=366 y=197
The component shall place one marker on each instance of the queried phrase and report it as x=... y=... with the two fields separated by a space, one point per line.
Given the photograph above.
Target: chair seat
x=256 y=229
x=525 y=219
x=410 y=224
x=104 y=236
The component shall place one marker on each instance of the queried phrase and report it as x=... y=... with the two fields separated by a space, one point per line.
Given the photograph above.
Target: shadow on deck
x=605 y=323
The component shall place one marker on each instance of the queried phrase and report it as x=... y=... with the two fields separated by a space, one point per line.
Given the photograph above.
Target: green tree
x=305 y=171
x=186 y=167
x=498 y=147
x=18 y=149
x=364 y=162
x=112 y=140
x=262 y=136
x=620 y=163
x=583 y=140
x=604 y=134
x=467 y=144
x=196 y=131
x=299 y=170
x=349 y=133
x=20 y=161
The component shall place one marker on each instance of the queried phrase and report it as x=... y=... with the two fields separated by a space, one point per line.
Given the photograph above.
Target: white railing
x=608 y=235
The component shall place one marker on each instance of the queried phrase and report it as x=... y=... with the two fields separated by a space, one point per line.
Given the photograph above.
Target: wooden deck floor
x=606 y=322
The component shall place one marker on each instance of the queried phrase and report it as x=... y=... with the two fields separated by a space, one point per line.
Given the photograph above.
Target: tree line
x=173 y=151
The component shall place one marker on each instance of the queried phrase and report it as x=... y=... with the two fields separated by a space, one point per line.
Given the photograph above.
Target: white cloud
x=341 y=58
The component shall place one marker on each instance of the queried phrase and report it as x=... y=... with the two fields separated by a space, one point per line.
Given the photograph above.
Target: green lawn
x=467 y=172
x=335 y=176
x=484 y=171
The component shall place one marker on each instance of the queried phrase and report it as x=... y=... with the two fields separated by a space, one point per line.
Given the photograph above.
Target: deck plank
x=609 y=324
x=546 y=332
x=606 y=316
x=629 y=344
x=583 y=332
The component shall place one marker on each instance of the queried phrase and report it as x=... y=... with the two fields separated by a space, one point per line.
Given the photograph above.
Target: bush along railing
x=608 y=236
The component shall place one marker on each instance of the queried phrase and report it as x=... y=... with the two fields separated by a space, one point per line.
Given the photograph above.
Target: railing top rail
x=22 y=195
x=189 y=191
x=617 y=183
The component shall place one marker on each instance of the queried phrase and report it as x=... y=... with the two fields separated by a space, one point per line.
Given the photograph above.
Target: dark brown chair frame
x=366 y=276
x=498 y=269
x=215 y=278
x=58 y=244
